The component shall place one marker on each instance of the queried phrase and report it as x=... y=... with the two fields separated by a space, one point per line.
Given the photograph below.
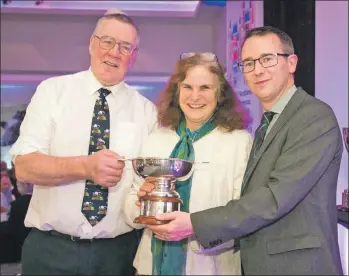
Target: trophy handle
x=187 y=176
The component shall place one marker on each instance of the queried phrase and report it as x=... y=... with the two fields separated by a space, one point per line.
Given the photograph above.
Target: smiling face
x=268 y=84
x=5 y=183
x=110 y=66
x=198 y=96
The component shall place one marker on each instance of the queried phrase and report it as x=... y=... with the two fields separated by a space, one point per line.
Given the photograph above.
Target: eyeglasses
x=265 y=61
x=108 y=43
x=206 y=55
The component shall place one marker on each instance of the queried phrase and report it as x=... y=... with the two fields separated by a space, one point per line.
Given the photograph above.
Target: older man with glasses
x=76 y=132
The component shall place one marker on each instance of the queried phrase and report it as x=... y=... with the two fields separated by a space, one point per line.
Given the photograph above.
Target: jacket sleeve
x=309 y=151
x=243 y=140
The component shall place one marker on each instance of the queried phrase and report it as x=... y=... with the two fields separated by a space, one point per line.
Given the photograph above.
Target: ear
x=292 y=63
x=133 y=58
x=90 y=47
x=3 y=124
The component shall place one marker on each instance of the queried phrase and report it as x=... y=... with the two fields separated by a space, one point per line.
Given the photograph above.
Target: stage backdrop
x=242 y=16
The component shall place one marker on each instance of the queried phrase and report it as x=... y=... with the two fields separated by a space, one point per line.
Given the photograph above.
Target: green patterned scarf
x=169 y=257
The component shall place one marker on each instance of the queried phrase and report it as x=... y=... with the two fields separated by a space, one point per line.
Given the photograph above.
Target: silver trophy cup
x=164 y=197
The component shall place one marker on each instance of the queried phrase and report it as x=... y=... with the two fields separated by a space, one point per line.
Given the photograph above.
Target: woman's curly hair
x=229 y=114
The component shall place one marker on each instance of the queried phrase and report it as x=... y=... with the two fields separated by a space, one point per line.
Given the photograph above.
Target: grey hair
x=121 y=17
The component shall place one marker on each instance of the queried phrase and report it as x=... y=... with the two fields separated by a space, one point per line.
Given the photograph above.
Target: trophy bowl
x=164 y=198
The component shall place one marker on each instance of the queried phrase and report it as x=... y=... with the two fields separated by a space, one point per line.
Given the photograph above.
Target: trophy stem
x=155 y=198
x=165 y=184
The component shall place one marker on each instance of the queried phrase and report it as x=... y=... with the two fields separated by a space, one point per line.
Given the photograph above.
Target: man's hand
x=146 y=188
x=105 y=167
x=177 y=229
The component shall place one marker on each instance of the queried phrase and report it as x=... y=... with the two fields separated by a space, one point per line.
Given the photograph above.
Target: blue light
x=11 y=86
x=215 y=2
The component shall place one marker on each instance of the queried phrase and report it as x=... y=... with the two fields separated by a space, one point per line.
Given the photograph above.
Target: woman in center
x=200 y=120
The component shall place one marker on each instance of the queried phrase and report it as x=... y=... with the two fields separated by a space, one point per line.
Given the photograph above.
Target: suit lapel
x=284 y=117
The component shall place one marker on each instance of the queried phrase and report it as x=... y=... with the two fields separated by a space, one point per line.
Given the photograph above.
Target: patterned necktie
x=261 y=131
x=257 y=143
x=95 y=201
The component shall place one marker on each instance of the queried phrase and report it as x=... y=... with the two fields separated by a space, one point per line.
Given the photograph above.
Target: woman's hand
x=146 y=188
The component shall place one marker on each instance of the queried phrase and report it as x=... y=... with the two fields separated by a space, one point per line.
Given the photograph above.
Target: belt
x=73 y=238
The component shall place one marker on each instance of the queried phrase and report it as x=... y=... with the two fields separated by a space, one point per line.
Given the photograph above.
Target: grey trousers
x=47 y=254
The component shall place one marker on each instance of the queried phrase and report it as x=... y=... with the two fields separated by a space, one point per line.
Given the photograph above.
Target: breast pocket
x=125 y=139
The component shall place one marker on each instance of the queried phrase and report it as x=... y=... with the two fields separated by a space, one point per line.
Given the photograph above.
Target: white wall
x=331 y=81
x=59 y=43
x=331 y=67
x=220 y=37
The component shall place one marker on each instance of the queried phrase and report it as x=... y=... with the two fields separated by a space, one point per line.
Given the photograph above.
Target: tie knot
x=267 y=117
x=104 y=92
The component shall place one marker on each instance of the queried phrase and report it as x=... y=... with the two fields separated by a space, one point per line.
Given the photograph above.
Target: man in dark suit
x=13 y=231
x=286 y=219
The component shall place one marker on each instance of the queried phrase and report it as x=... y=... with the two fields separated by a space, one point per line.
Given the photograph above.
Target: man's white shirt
x=58 y=123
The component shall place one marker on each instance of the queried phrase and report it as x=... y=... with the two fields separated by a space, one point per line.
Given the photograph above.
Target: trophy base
x=150 y=220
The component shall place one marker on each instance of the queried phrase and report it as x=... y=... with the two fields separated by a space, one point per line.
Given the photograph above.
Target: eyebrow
x=262 y=55
x=130 y=44
x=116 y=39
x=206 y=84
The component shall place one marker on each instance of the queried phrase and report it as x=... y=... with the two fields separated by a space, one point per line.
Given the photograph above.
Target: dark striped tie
x=261 y=131
x=258 y=140
x=95 y=201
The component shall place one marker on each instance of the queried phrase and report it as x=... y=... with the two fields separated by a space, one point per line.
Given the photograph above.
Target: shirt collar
x=279 y=106
x=94 y=85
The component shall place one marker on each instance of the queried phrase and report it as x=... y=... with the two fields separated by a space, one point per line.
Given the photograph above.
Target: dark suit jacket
x=19 y=209
x=286 y=218
x=13 y=232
